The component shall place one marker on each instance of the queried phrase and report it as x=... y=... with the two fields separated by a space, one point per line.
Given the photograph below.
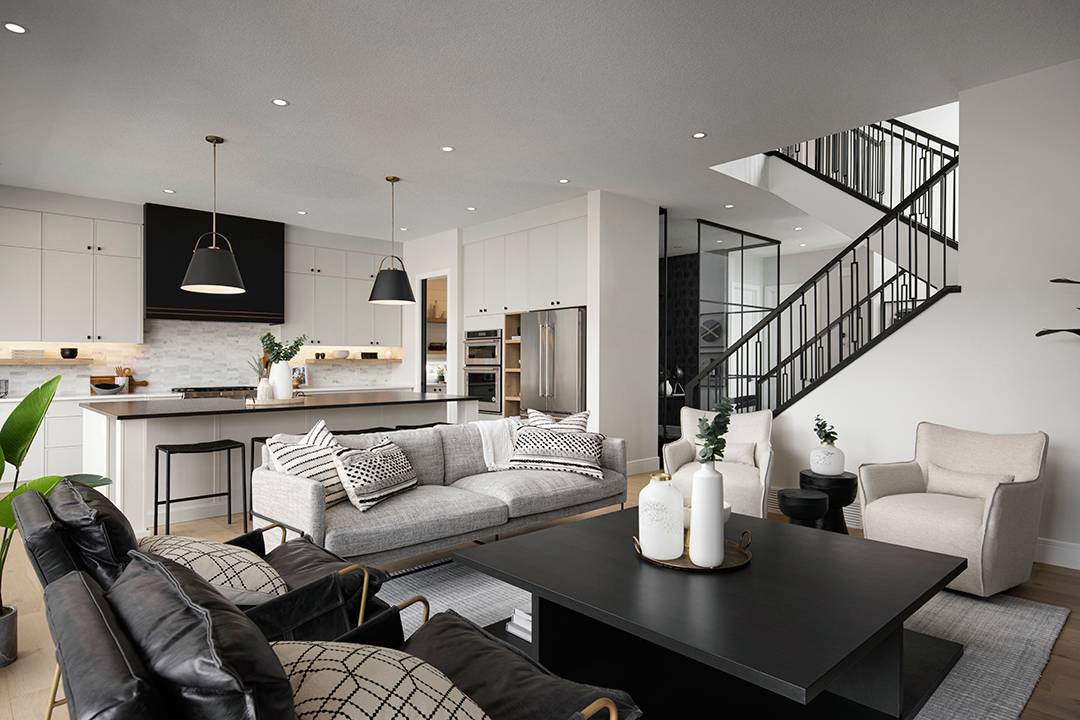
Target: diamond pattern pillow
x=542 y=449
x=239 y=574
x=343 y=681
x=376 y=473
x=578 y=422
x=310 y=461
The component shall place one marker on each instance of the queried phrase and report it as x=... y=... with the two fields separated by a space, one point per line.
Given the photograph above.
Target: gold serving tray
x=736 y=555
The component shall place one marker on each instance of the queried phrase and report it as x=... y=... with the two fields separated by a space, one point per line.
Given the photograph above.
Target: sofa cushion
x=575 y=452
x=95 y=527
x=948 y=524
x=213 y=661
x=463 y=451
x=301 y=562
x=529 y=492
x=422 y=446
x=428 y=512
x=954 y=482
x=344 y=681
x=372 y=475
x=742 y=485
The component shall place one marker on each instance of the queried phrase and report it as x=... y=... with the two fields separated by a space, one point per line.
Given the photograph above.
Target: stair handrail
x=888 y=217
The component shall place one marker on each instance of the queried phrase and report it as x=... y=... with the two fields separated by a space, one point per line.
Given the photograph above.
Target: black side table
x=803 y=507
x=841 y=490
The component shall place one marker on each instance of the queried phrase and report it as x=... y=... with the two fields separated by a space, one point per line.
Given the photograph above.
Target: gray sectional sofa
x=457 y=500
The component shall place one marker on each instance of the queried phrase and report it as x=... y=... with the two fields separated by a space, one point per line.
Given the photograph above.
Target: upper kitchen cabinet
x=299 y=259
x=543 y=264
x=330 y=262
x=299 y=305
x=473 y=290
x=318 y=260
x=118 y=239
x=386 y=324
x=494 y=275
x=20 y=287
x=571 y=275
x=516 y=272
x=330 y=310
x=359 y=318
x=67 y=233
x=361 y=266
x=118 y=315
x=88 y=297
x=20 y=228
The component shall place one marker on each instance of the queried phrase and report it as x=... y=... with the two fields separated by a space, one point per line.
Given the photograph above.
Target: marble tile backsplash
x=179 y=353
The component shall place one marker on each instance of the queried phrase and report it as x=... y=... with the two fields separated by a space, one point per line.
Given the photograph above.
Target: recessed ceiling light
x=447 y=148
x=280 y=102
x=728 y=206
x=798 y=228
x=15 y=28
x=563 y=181
x=301 y=212
x=404 y=229
x=168 y=191
x=698 y=134
x=471 y=209
x=719 y=241
x=802 y=244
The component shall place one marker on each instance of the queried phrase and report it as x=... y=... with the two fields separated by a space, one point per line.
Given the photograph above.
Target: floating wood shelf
x=359 y=361
x=512 y=342
x=517 y=370
x=46 y=361
x=513 y=398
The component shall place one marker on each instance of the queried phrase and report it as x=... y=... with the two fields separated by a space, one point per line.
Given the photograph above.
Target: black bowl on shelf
x=69 y=353
x=107 y=388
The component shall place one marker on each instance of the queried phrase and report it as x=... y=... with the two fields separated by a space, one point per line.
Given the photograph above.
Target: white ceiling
x=112 y=98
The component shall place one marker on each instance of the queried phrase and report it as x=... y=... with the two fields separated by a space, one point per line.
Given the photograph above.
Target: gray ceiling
x=111 y=98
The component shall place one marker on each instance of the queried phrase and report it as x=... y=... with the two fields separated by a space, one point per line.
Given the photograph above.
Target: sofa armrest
x=297 y=502
x=876 y=480
x=1010 y=534
x=614 y=455
x=677 y=454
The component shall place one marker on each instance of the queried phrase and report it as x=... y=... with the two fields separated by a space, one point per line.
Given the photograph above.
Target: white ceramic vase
x=281 y=380
x=707 y=518
x=264 y=392
x=660 y=519
x=827 y=460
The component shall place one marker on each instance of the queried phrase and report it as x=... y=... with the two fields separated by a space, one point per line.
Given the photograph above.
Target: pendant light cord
x=393 y=220
x=213 y=221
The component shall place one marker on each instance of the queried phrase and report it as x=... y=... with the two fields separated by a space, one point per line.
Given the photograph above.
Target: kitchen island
x=119 y=438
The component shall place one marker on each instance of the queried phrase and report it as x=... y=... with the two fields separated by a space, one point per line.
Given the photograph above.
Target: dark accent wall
x=679 y=309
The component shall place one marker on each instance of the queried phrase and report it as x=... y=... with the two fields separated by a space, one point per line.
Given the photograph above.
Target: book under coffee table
x=812 y=627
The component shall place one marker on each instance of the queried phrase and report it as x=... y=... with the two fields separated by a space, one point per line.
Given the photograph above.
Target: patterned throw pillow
x=376 y=473
x=344 y=681
x=239 y=574
x=577 y=422
x=312 y=462
x=320 y=436
x=576 y=452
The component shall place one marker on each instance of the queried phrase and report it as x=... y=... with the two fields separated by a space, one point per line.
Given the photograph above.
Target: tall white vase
x=281 y=379
x=660 y=519
x=707 y=518
x=827 y=460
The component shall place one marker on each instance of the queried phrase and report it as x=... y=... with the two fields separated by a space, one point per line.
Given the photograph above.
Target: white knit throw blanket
x=497 y=437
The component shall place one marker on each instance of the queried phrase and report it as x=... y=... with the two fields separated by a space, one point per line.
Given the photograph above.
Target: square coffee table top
x=806 y=607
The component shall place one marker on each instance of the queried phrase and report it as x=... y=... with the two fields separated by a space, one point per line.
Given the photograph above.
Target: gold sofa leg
x=53 y=702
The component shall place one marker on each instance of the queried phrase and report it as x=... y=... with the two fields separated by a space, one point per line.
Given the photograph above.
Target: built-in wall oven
x=483 y=347
x=483 y=369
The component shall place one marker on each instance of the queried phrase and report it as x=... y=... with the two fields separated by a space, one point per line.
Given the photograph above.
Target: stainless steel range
x=224 y=391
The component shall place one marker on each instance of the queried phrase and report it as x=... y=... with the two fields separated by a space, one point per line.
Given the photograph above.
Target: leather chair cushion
x=44 y=538
x=216 y=663
x=96 y=529
x=301 y=561
x=502 y=680
x=104 y=676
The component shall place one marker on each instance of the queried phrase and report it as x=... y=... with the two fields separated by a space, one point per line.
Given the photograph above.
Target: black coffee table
x=812 y=627
x=841 y=490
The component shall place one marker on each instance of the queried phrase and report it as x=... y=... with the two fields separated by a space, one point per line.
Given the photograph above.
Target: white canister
x=660 y=519
x=264 y=392
x=827 y=460
x=281 y=379
x=707 y=518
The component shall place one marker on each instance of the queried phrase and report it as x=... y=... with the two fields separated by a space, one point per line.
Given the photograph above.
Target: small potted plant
x=826 y=458
x=707 y=496
x=278 y=356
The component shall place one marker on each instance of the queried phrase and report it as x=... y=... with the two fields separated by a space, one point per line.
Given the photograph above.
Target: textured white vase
x=827 y=460
x=707 y=518
x=281 y=379
x=660 y=519
x=264 y=392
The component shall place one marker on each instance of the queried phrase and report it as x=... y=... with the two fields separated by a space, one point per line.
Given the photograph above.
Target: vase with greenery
x=278 y=356
x=826 y=458
x=707 y=512
x=260 y=364
x=16 y=436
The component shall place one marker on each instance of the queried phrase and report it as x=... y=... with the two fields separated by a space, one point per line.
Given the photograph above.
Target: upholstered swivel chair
x=966 y=493
x=746 y=469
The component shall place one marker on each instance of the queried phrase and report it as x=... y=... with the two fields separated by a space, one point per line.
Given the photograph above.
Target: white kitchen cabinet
x=20 y=228
x=330 y=262
x=386 y=324
x=329 y=310
x=473 y=270
x=63 y=460
x=361 y=266
x=299 y=306
x=67 y=297
x=571 y=275
x=118 y=315
x=299 y=258
x=494 y=275
x=359 y=318
x=20 y=293
x=516 y=272
x=543 y=265
x=117 y=238
x=67 y=233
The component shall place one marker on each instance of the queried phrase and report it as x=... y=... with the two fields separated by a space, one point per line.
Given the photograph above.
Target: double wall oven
x=483 y=369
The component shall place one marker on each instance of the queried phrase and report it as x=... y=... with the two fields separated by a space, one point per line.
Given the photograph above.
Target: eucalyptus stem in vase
x=707 y=512
x=279 y=355
x=826 y=458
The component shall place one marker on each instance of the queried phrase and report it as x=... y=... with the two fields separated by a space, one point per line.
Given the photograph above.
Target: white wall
x=545 y=215
x=433 y=256
x=972 y=360
x=622 y=322
x=943 y=121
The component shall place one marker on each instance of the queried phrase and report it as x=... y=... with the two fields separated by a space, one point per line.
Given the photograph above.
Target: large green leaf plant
x=16 y=436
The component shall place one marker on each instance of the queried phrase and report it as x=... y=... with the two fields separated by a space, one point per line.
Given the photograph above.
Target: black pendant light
x=212 y=269
x=392 y=286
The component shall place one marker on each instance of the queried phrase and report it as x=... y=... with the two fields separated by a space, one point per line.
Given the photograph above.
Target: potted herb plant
x=278 y=356
x=16 y=436
x=826 y=458
x=707 y=497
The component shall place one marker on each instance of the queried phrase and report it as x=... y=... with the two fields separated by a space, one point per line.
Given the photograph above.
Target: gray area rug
x=1007 y=641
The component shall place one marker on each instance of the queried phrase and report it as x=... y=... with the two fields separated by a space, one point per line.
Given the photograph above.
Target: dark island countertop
x=150 y=409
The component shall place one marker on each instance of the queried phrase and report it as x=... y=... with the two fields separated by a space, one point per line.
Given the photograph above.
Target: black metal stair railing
x=888 y=275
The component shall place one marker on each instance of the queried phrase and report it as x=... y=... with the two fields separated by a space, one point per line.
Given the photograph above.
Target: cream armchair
x=745 y=485
x=965 y=493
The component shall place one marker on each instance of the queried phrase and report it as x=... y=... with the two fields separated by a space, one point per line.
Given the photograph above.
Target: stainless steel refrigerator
x=553 y=361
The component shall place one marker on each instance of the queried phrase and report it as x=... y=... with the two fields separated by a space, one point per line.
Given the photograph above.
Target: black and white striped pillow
x=578 y=422
x=542 y=449
x=376 y=473
x=312 y=462
x=320 y=436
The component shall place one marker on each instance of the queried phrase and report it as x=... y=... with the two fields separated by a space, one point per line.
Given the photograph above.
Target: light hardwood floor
x=24 y=685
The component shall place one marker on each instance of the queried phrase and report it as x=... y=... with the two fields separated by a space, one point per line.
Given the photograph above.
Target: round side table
x=841 y=490
x=803 y=507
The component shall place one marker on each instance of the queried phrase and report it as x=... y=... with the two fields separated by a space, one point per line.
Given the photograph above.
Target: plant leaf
x=22 y=425
x=2 y=462
x=43 y=485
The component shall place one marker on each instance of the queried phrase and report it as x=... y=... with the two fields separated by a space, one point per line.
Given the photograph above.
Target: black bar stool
x=197 y=449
